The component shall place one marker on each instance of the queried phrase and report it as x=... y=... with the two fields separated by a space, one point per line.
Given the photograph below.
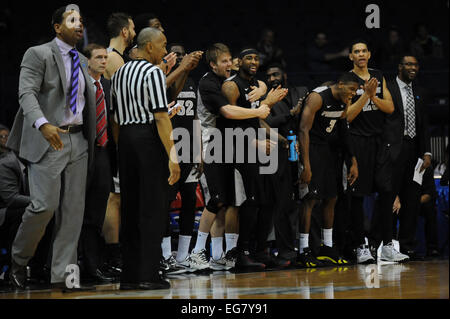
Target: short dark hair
x=403 y=55
x=347 y=77
x=276 y=65
x=213 y=52
x=116 y=22
x=359 y=40
x=58 y=16
x=142 y=21
x=175 y=44
x=87 y=51
x=3 y=128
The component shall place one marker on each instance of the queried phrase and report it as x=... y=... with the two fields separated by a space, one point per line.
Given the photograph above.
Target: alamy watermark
x=234 y=145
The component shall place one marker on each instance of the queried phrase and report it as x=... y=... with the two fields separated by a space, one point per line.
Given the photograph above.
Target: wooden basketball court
x=413 y=280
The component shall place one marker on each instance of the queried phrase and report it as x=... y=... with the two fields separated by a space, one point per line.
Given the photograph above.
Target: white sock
x=327 y=235
x=230 y=241
x=201 y=242
x=217 y=247
x=183 y=247
x=304 y=242
x=166 y=247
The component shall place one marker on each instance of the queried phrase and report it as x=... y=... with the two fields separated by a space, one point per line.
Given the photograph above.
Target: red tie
x=102 y=137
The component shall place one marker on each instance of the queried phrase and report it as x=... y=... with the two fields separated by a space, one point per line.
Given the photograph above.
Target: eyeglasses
x=411 y=64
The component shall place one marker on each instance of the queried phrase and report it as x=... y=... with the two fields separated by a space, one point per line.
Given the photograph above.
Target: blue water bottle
x=292 y=138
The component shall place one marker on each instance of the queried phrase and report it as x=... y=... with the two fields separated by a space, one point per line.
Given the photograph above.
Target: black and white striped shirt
x=138 y=89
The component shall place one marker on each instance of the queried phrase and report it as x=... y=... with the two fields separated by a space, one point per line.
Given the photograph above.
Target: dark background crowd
x=300 y=33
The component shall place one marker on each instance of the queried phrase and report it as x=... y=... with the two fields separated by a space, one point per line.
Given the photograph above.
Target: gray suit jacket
x=42 y=93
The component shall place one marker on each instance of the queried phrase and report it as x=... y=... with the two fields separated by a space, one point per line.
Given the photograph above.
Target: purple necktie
x=74 y=80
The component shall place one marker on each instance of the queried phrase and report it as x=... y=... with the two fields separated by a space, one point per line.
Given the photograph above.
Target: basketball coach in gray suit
x=54 y=131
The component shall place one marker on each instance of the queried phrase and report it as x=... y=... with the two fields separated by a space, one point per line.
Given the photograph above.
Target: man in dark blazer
x=100 y=181
x=407 y=132
x=54 y=131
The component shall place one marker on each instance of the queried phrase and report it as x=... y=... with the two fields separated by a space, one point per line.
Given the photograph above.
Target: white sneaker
x=218 y=264
x=389 y=253
x=363 y=255
x=186 y=264
x=173 y=267
x=198 y=261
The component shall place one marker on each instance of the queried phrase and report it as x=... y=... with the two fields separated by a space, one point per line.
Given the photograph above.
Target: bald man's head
x=152 y=45
x=147 y=35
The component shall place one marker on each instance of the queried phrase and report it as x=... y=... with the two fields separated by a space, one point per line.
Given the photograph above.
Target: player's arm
x=385 y=104
x=232 y=111
x=115 y=61
x=313 y=104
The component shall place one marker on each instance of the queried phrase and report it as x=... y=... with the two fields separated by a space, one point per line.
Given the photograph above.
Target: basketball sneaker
x=363 y=255
x=329 y=255
x=307 y=260
x=218 y=264
x=231 y=258
x=389 y=253
x=198 y=261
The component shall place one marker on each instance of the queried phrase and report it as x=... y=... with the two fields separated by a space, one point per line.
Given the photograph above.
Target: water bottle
x=292 y=138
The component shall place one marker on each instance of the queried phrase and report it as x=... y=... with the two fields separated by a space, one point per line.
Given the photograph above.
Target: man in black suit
x=407 y=131
x=100 y=174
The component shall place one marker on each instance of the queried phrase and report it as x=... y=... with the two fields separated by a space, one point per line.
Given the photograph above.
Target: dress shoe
x=97 y=277
x=413 y=256
x=18 y=275
x=160 y=284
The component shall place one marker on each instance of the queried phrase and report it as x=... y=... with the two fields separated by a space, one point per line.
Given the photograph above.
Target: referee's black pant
x=143 y=166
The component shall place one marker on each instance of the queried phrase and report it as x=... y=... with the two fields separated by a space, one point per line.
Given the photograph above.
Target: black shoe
x=62 y=286
x=245 y=260
x=97 y=277
x=271 y=261
x=433 y=254
x=18 y=275
x=307 y=260
x=329 y=255
x=413 y=256
x=160 y=284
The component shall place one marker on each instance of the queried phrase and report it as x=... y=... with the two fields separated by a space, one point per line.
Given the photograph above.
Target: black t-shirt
x=324 y=128
x=210 y=95
x=370 y=120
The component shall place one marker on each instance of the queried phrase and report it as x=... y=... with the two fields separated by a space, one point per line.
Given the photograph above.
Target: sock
x=217 y=247
x=327 y=235
x=201 y=242
x=304 y=242
x=183 y=247
x=230 y=241
x=166 y=247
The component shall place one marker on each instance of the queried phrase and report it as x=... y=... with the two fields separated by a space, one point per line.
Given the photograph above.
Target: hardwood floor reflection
x=417 y=280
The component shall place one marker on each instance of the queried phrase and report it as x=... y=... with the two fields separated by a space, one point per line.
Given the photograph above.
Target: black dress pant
x=143 y=166
x=409 y=193
x=286 y=209
x=97 y=194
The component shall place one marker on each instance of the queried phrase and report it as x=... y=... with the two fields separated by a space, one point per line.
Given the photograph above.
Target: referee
x=140 y=105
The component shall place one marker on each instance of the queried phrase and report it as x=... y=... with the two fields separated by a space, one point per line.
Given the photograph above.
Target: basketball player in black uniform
x=322 y=121
x=215 y=113
x=366 y=116
x=255 y=214
x=187 y=185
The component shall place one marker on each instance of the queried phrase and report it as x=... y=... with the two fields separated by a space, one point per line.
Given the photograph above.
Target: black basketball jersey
x=187 y=99
x=370 y=120
x=244 y=89
x=324 y=126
